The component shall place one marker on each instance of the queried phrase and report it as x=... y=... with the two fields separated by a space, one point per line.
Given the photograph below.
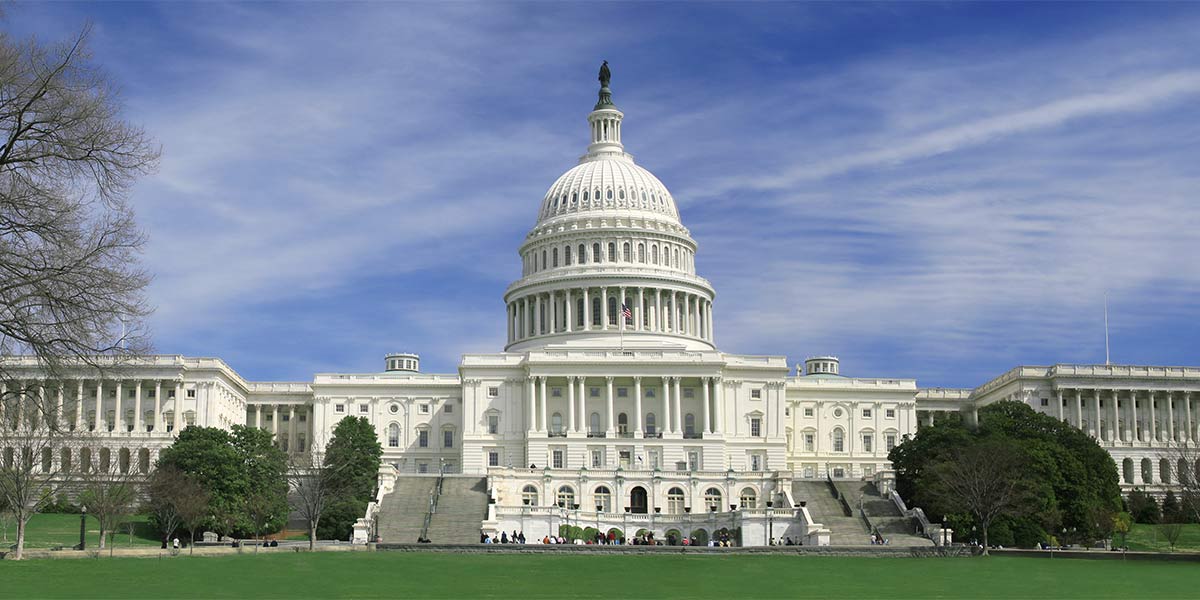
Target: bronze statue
x=605 y=74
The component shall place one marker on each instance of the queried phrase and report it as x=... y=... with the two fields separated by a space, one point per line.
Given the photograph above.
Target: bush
x=337 y=522
x=61 y=505
x=1144 y=507
x=1000 y=534
x=1027 y=534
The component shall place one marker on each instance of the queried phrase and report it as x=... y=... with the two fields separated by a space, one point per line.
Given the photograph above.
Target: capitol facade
x=611 y=404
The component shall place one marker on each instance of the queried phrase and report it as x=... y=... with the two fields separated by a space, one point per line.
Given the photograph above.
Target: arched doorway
x=637 y=500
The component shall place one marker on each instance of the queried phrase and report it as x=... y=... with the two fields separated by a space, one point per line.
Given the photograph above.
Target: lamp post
x=770 y=524
x=943 y=531
x=82 y=525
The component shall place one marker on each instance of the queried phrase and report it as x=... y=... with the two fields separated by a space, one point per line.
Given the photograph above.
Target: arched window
x=48 y=460
x=543 y=260
x=596 y=195
x=596 y=255
x=594 y=423
x=123 y=460
x=556 y=424
x=1164 y=470
x=85 y=460
x=609 y=195
x=625 y=253
x=1127 y=470
x=839 y=440
x=651 y=427
x=582 y=254
x=749 y=498
x=654 y=255
x=574 y=198
x=621 y=194
x=585 y=196
x=566 y=496
x=106 y=460
x=603 y=499
x=612 y=252
x=641 y=253
x=144 y=461
x=64 y=460
x=623 y=423
x=675 y=500
x=394 y=435
x=567 y=256
x=1147 y=471
x=612 y=310
x=529 y=495
x=689 y=424
x=712 y=499
x=554 y=258
x=579 y=314
x=629 y=303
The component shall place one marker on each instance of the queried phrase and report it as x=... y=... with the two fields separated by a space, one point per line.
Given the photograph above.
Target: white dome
x=608 y=183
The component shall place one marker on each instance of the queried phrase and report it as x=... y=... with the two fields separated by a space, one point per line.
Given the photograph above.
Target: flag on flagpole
x=626 y=311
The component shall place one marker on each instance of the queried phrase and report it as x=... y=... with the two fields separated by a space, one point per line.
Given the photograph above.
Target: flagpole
x=1106 y=354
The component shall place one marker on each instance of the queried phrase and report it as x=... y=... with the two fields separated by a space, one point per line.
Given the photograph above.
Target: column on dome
x=637 y=407
x=603 y=308
x=608 y=406
x=587 y=311
x=704 y=384
x=567 y=302
x=666 y=398
x=673 y=324
x=677 y=409
x=531 y=403
x=621 y=308
x=553 y=312
x=571 y=405
x=638 y=313
x=711 y=333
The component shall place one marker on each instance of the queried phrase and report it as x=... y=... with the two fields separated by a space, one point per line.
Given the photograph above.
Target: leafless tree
x=71 y=288
x=177 y=499
x=985 y=480
x=1185 y=462
x=312 y=488
x=111 y=490
x=162 y=488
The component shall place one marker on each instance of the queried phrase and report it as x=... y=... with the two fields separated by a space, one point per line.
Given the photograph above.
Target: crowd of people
x=517 y=537
x=645 y=538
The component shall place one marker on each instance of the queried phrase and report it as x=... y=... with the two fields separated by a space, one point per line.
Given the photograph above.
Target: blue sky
x=937 y=191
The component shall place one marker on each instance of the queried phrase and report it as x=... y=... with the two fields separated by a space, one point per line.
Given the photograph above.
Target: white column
x=1114 y=424
x=532 y=403
x=677 y=409
x=553 y=312
x=608 y=407
x=571 y=405
x=1187 y=401
x=567 y=308
x=292 y=429
x=657 y=316
x=587 y=311
x=1079 y=409
x=666 y=396
x=60 y=416
x=673 y=326
x=118 y=415
x=620 y=310
x=637 y=406
x=1153 y=418
x=79 y=410
x=275 y=422
x=1059 y=409
x=158 y=420
x=705 y=382
x=1170 y=416
x=258 y=416
x=603 y=309
x=711 y=334
x=100 y=421
x=1096 y=420
x=639 y=310
x=178 y=413
x=543 y=400
x=1137 y=430
x=137 y=406
x=582 y=412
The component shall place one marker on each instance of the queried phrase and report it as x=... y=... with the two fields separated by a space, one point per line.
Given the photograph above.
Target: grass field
x=1149 y=538
x=49 y=530
x=431 y=575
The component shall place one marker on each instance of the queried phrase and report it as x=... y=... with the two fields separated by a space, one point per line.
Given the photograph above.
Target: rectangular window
x=449 y=408
x=422 y=467
x=808 y=412
x=595 y=392
x=787 y=411
x=493 y=392
x=597 y=459
x=170 y=393
x=394 y=437
x=191 y=393
x=424 y=409
x=656 y=459
x=649 y=392
x=337 y=408
x=890 y=413
x=867 y=440
x=423 y=438
x=493 y=423
x=890 y=442
x=693 y=461
x=622 y=392
x=303 y=417
x=287 y=418
x=866 y=412
x=756 y=394
x=364 y=409
x=447 y=439
x=755 y=427
x=557 y=457
x=689 y=393
x=756 y=462
x=809 y=442
x=1045 y=402
x=493 y=458
x=150 y=394
x=556 y=392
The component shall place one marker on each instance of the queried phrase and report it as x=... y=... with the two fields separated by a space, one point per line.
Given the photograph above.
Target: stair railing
x=434 y=495
x=837 y=494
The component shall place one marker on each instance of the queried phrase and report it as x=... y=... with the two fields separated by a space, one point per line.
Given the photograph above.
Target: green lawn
x=431 y=575
x=49 y=530
x=1151 y=539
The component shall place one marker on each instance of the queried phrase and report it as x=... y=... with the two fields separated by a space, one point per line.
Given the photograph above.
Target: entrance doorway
x=637 y=500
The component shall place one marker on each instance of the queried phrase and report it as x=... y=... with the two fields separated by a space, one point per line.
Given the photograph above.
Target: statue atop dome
x=605 y=93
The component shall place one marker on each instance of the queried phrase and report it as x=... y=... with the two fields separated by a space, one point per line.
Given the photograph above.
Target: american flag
x=626 y=311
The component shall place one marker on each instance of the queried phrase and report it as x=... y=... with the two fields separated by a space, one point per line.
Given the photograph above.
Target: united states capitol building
x=611 y=405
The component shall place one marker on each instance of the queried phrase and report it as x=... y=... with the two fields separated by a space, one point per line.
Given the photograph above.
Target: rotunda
x=608 y=263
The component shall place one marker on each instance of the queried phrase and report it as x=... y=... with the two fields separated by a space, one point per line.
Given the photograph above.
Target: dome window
x=610 y=194
x=621 y=195
x=596 y=196
x=574 y=198
x=585 y=196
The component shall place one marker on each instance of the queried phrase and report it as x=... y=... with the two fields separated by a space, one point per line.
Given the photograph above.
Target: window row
x=608 y=197
x=656 y=253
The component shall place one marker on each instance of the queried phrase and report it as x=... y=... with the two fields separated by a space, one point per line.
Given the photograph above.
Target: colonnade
x=294 y=438
x=622 y=251
x=651 y=309
x=28 y=401
x=1129 y=416
x=669 y=419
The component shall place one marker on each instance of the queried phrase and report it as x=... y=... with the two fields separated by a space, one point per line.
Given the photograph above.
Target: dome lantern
x=605 y=122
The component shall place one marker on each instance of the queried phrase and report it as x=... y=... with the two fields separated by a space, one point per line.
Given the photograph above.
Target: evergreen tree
x=1144 y=507
x=353 y=457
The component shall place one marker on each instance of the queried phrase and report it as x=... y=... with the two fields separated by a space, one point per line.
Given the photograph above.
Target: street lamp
x=82 y=525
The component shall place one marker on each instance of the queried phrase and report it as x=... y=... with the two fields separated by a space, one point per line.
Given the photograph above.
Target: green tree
x=1172 y=511
x=1144 y=507
x=263 y=505
x=352 y=457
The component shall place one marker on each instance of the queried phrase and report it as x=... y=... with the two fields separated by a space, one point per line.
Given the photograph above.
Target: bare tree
x=985 y=480
x=111 y=490
x=191 y=503
x=1185 y=462
x=71 y=289
x=162 y=487
x=313 y=486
